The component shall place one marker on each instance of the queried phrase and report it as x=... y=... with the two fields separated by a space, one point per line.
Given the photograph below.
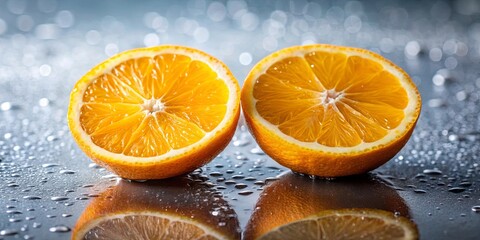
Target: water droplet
x=64 y=19
x=245 y=58
x=49 y=165
x=241 y=157
x=453 y=137
x=216 y=11
x=245 y=193
x=8 y=232
x=436 y=102
x=51 y=138
x=5 y=106
x=94 y=165
x=412 y=49
x=32 y=197
x=36 y=225
x=241 y=142
x=456 y=189
x=434 y=171
x=476 y=209
x=59 y=198
x=66 y=215
x=216 y=174
x=43 y=102
x=240 y=185
x=465 y=184
x=230 y=182
x=435 y=54
x=28 y=236
x=67 y=172
x=13 y=212
x=257 y=150
x=260 y=183
x=419 y=191
x=238 y=177
x=215 y=213
x=271 y=179
x=110 y=176
x=59 y=228
x=7 y=135
x=13 y=220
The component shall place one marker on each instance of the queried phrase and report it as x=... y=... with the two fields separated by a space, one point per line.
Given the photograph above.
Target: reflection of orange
x=177 y=208
x=355 y=223
x=294 y=197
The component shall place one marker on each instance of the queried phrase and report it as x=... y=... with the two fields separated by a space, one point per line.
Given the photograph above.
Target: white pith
x=153 y=105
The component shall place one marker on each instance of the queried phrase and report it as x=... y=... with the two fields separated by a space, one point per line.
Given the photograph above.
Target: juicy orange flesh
x=145 y=227
x=330 y=98
x=338 y=227
x=148 y=106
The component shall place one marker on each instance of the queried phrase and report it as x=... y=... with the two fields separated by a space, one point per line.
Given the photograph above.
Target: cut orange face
x=329 y=110
x=155 y=112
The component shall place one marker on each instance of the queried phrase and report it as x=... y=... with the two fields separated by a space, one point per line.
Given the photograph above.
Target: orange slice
x=329 y=110
x=347 y=224
x=155 y=112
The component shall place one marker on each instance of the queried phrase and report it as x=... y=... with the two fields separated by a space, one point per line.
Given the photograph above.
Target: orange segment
x=324 y=102
x=147 y=140
x=162 y=103
x=108 y=89
x=204 y=116
x=115 y=136
x=336 y=130
x=327 y=67
x=295 y=71
x=96 y=116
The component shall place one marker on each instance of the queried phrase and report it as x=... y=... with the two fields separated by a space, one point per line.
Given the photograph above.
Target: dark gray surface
x=46 y=45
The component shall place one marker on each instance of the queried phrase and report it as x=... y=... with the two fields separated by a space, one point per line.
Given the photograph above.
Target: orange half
x=329 y=110
x=155 y=112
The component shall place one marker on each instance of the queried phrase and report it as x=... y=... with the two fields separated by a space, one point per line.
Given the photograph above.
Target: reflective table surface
x=47 y=185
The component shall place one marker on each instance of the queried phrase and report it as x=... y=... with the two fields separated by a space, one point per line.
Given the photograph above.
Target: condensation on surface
x=148 y=106
x=316 y=97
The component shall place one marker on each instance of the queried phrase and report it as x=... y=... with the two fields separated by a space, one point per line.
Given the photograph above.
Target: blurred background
x=47 y=45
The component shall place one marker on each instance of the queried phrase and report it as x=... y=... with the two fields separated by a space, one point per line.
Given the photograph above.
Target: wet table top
x=46 y=182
